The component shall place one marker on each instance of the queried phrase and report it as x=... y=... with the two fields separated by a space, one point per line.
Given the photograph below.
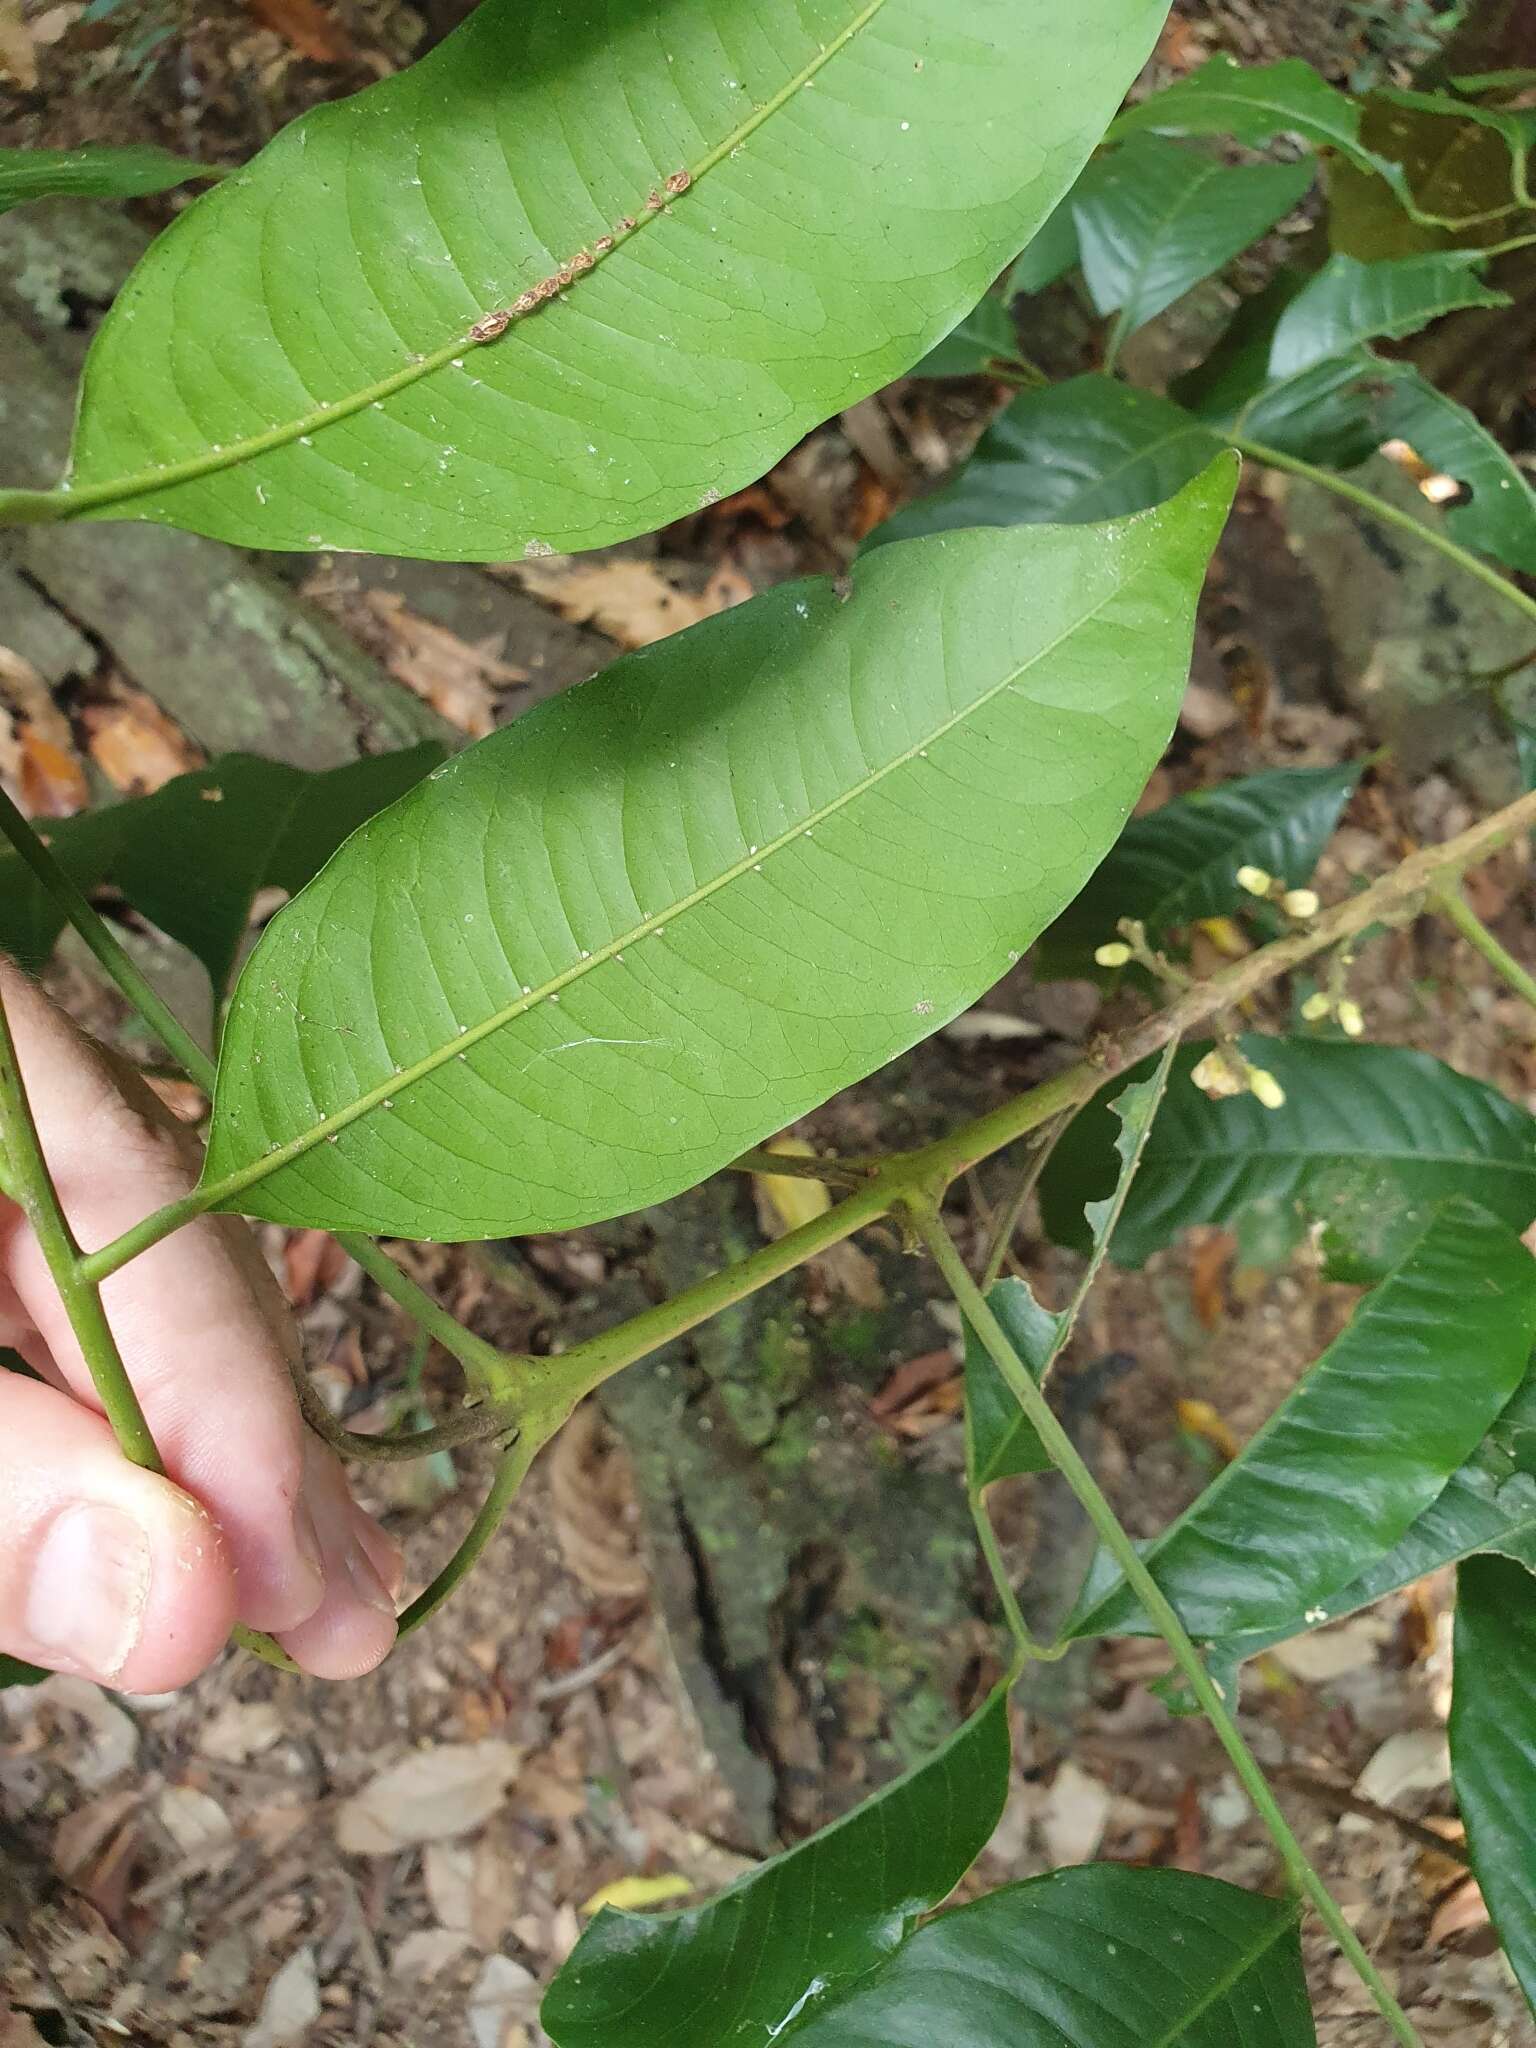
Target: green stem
x=39 y=1203
x=1044 y=1145
x=72 y=900
x=1065 y=1457
x=1448 y=899
x=1379 y=508
x=510 y=1474
x=489 y=1371
x=1018 y=1628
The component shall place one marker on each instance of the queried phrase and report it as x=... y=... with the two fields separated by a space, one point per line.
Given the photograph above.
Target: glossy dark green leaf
x=1499 y=514
x=1153 y=219
x=1000 y=1441
x=1367 y=1442
x=1180 y=863
x=14 y=1672
x=651 y=922
x=1488 y=1505
x=984 y=338
x=1347 y=303
x=1051 y=254
x=1252 y=103
x=1369 y=1140
x=720 y=222
x=95 y=171
x=791 y=1933
x=1089 y=449
x=193 y=856
x=1493 y=1747
x=1100 y=1956
x=30 y=920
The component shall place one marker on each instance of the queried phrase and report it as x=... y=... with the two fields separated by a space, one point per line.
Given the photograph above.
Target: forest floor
x=186 y=1870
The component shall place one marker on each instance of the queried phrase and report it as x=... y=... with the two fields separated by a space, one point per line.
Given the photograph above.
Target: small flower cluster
x=1298 y=903
x=1224 y=1071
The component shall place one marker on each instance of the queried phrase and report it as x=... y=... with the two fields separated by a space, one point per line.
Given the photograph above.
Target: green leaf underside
x=786 y=1935
x=1000 y=1440
x=1180 y=863
x=1489 y=1505
x=1348 y=302
x=297 y=349
x=1370 y=1138
x=1252 y=103
x=1364 y=1446
x=1072 y=453
x=1100 y=1956
x=30 y=920
x=1154 y=219
x=598 y=955
x=195 y=853
x=985 y=336
x=1050 y=254
x=97 y=171
x=1493 y=1747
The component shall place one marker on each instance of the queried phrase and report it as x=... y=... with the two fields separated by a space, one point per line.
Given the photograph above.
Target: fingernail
x=90 y=1584
x=367 y=1584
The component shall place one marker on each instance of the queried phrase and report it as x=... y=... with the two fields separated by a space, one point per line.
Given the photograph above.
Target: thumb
x=107 y=1572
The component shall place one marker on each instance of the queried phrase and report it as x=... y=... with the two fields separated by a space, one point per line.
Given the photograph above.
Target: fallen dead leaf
x=111 y=1740
x=911 y=1380
x=631 y=601
x=1328 y=1653
x=593 y=1508
x=306 y=25
x=18 y=59
x=241 y=1730
x=505 y=1996
x=427 y=1952
x=1200 y=1419
x=791 y=1198
x=1212 y=1255
x=458 y=678
x=991 y=1027
x=134 y=744
x=194 y=1820
x=1413 y=1760
x=290 y=2005
x=1074 y=1815
x=52 y=781
x=1459 y=1913
x=313 y=1262
x=429 y=1797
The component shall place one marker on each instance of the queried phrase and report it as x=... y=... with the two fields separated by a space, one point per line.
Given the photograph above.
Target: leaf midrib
x=235 y=453
x=215 y=1194
x=1247 y=1961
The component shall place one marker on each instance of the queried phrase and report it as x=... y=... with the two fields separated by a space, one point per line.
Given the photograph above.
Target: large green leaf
x=1085 y=450
x=1348 y=302
x=657 y=918
x=1154 y=219
x=1050 y=254
x=193 y=856
x=732 y=217
x=1488 y=1505
x=96 y=171
x=791 y=1933
x=30 y=919
x=1252 y=103
x=1180 y=863
x=1369 y=1139
x=1100 y=1956
x=1363 y=1447
x=1493 y=1747
x=985 y=337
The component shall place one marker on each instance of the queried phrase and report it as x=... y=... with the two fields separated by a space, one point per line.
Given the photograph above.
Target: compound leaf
x=657 y=918
x=744 y=1968
x=1200 y=1964
x=1493 y=1747
x=1369 y=1139
x=718 y=221
x=1346 y=1464
x=1179 y=863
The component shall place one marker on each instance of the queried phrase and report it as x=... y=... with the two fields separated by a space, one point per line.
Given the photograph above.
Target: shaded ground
x=665 y=1665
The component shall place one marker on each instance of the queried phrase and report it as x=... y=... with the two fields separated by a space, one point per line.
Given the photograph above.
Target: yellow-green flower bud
x=1215 y=1075
x=1317 y=1007
x=1115 y=954
x=1351 y=1022
x=1266 y=1088
x=1255 y=881
x=1300 y=902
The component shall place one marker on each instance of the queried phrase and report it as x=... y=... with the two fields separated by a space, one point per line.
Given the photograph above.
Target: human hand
x=115 y=1573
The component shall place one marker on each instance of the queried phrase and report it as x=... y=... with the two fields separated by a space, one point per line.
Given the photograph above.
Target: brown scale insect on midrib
x=491 y=326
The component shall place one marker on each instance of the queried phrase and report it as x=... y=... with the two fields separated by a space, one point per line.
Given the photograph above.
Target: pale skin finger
x=203 y=1334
